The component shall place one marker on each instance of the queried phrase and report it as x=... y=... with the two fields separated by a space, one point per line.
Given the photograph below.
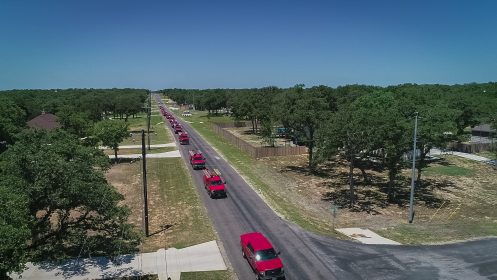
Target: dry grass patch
x=176 y=215
x=456 y=200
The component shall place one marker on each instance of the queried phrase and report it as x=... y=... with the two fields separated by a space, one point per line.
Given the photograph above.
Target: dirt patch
x=176 y=217
x=127 y=179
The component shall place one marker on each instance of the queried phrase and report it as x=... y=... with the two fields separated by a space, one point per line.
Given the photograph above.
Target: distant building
x=44 y=121
x=483 y=130
x=483 y=133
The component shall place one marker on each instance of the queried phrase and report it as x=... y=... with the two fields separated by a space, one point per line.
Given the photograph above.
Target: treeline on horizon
x=370 y=127
x=77 y=109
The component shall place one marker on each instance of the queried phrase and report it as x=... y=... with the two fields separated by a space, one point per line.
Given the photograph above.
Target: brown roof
x=44 y=121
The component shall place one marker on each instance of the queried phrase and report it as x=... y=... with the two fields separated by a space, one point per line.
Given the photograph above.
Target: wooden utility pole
x=145 y=199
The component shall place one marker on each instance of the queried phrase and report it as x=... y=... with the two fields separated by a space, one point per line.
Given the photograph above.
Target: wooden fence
x=255 y=152
x=472 y=147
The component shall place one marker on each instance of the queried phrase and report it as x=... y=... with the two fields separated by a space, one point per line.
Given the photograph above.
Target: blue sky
x=238 y=44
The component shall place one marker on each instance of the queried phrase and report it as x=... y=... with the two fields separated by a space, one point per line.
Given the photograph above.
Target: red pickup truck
x=178 y=129
x=184 y=139
x=197 y=160
x=213 y=183
x=261 y=256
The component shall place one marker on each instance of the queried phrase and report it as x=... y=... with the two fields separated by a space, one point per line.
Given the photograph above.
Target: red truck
x=184 y=139
x=261 y=256
x=178 y=129
x=197 y=160
x=213 y=183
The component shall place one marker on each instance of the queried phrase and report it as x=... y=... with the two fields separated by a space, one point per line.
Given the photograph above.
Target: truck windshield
x=264 y=255
x=216 y=183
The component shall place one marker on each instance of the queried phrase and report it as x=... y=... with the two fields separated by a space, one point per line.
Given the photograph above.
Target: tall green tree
x=72 y=209
x=436 y=129
x=128 y=105
x=111 y=133
x=12 y=120
x=306 y=116
x=371 y=127
x=467 y=111
x=73 y=121
x=14 y=225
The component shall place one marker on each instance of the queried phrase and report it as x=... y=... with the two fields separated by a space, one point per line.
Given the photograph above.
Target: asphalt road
x=309 y=256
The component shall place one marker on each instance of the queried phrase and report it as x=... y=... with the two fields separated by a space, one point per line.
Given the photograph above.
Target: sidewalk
x=171 y=154
x=459 y=154
x=165 y=263
x=366 y=236
x=172 y=144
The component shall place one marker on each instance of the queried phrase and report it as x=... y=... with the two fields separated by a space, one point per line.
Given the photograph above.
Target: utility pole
x=413 y=180
x=145 y=199
x=149 y=111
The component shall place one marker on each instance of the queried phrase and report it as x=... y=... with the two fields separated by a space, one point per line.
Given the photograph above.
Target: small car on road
x=261 y=256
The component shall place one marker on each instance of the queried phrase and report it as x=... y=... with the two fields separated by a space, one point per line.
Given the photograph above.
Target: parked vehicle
x=493 y=163
x=261 y=256
x=184 y=139
x=197 y=160
x=213 y=183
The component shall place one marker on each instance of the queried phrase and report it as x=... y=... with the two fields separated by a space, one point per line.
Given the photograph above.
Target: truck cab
x=213 y=183
x=178 y=129
x=197 y=160
x=184 y=139
x=261 y=256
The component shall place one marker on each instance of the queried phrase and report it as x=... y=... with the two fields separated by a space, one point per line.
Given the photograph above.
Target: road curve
x=310 y=256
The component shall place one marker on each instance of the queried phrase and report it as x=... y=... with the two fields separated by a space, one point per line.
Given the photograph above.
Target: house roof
x=45 y=121
x=483 y=128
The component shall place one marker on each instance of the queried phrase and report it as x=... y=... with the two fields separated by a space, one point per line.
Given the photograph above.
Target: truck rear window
x=267 y=254
x=216 y=183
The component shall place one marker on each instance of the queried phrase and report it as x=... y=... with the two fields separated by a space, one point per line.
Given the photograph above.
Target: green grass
x=422 y=233
x=488 y=154
x=182 y=201
x=158 y=132
x=206 y=275
x=450 y=170
x=250 y=168
x=468 y=212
